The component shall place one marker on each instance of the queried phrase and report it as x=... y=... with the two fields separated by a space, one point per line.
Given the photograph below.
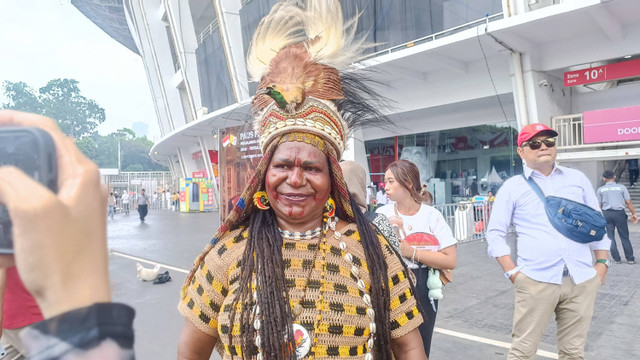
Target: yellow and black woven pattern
x=344 y=327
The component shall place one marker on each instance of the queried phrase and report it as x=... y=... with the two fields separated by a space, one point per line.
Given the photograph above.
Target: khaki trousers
x=536 y=301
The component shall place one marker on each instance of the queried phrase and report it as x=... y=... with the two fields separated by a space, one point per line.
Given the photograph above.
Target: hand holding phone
x=59 y=239
x=31 y=150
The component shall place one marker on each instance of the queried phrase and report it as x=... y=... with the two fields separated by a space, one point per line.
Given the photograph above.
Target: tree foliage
x=21 y=97
x=59 y=99
x=134 y=151
x=79 y=117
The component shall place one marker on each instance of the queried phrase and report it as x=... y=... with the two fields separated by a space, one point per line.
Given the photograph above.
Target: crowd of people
x=141 y=202
x=269 y=233
x=302 y=268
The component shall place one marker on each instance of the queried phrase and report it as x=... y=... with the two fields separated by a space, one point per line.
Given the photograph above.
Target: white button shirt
x=542 y=250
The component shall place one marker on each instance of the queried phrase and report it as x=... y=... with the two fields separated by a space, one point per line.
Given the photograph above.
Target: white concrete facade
x=439 y=82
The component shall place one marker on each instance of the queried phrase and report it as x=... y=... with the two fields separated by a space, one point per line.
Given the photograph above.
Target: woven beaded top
x=345 y=327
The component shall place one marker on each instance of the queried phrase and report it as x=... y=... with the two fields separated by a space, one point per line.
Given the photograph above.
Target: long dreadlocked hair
x=262 y=259
x=379 y=287
x=331 y=47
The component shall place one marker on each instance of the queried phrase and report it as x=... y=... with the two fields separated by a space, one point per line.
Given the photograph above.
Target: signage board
x=239 y=156
x=611 y=125
x=615 y=71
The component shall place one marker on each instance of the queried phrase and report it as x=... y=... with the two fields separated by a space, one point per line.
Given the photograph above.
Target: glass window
x=455 y=164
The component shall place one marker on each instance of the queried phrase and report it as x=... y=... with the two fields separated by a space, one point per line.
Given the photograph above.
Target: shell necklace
x=302 y=339
x=296 y=235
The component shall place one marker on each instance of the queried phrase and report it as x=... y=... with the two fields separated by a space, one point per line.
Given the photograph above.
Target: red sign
x=213 y=156
x=198 y=174
x=621 y=70
x=621 y=124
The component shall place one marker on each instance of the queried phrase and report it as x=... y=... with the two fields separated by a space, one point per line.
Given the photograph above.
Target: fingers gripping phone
x=34 y=152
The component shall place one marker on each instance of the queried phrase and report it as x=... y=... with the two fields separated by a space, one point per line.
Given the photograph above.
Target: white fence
x=467 y=220
x=569 y=129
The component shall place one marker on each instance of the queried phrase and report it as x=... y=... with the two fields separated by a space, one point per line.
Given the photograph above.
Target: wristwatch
x=606 y=262
x=512 y=271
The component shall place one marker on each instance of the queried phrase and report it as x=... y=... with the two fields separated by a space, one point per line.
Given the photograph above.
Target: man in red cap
x=555 y=275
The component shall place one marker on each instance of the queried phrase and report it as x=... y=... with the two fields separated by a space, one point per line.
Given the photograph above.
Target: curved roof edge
x=109 y=16
x=232 y=115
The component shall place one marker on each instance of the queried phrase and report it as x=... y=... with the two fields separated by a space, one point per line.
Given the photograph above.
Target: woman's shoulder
x=386 y=210
x=426 y=209
x=230 y=246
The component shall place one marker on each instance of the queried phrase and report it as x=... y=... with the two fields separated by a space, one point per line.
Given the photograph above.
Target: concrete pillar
x=181 y=162
x=519 y=92
x=355 y=151
x=228 y=12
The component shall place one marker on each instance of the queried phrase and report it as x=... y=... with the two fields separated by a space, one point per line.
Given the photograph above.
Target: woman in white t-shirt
x=426 y=238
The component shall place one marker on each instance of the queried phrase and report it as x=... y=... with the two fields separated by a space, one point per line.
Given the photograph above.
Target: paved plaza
x=474 y=320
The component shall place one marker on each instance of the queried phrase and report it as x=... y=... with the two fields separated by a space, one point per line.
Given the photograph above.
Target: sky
x=41 y=40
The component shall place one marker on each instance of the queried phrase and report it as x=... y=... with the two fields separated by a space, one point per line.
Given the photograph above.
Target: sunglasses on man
x=537 y=144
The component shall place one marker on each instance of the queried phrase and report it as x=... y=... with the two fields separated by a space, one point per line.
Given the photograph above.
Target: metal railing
x=437 y=35
x=157 y=204
x=151 y=181
x=207 y=31
x=570 y=131
x=467 y=220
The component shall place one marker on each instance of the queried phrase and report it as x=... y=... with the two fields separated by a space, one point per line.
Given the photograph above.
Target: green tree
x=136 y=151
x=106 y=155
x=21 y=97
x=79 y=117
x=126 y=134
x=88 y=146
x=76 y=115
x=59 y=99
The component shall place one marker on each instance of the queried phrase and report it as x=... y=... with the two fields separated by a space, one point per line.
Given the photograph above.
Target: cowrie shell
x=361 y=285
x=367 y=299
x=372 y=314
x=348 y=257
x=355 y=271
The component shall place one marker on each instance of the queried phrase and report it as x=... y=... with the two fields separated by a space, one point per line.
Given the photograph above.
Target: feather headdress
x=299 y=56
x=305 y=93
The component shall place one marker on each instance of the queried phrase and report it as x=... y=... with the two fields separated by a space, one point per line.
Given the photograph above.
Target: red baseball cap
x=532 y=130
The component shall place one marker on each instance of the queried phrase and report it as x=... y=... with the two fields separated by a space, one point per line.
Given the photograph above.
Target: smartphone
x=34 y=152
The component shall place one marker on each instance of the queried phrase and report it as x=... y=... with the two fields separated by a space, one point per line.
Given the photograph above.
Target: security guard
x=613 y=198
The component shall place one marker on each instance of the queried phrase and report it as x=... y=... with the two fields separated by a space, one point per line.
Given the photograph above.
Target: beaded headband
x=314 y=116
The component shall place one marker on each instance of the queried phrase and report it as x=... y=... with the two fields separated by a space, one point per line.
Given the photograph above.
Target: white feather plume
x=332 y=42
x=283 y=26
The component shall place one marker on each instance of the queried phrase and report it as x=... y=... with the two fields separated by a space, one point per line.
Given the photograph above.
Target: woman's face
x=298 y=183
x=395 y=191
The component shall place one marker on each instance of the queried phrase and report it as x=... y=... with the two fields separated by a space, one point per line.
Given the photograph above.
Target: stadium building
x=463 y=76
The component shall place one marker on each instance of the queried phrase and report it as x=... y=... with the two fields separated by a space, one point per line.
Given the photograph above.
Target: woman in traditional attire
x=296 y=271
